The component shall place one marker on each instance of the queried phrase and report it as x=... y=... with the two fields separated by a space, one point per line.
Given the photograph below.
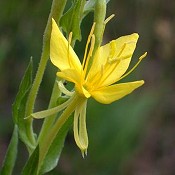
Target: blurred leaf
x=71 y=20
x=11 y=154
x=20 y=104
x=53 y=155
x=31 y=166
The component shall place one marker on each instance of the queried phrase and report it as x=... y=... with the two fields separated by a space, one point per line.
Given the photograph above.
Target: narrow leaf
x=11 y=154
x=31 y=166
x=20 y=104
x=55 y=149
x=71 y=20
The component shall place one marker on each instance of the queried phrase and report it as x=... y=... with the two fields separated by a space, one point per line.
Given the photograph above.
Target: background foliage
x=132 y=136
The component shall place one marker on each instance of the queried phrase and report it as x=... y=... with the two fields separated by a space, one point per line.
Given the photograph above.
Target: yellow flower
x=109 y=64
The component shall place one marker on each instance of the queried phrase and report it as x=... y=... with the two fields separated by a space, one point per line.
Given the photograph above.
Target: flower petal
x=114 y=92
x=107 y=68
x=71 y=75
x=61 y=55
x=74 y=76
x=80 y=131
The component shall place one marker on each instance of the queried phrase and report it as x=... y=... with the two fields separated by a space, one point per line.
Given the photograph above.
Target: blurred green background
x=133 y=136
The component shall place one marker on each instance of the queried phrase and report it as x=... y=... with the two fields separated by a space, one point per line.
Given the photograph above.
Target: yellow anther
x=112 y=53
x=140 y=59
x=87 y=44
x=108 y=19
x=69 y=43
x=90 y=53
x=143 y=56
x=113 y=57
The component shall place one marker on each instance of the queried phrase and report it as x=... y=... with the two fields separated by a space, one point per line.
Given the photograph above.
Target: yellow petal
x=114 y=92
x=106 y=67
x=61 y=55
x=71 y=75
x=74 y=76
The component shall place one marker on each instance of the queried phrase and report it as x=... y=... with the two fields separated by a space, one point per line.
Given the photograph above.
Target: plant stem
x=48 y=121
x=56 y=12
x=47 y=141
x=99 y=17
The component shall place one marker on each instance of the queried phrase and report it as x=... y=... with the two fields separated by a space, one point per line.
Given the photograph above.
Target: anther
x=87 y=44
x=140 y=59
x=90 y=53
x=143 y=56
x=69 y=43
x=108 y=19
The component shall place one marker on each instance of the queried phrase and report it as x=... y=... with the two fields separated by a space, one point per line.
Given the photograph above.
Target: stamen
x=118 y=58
x=108 y=19
x=112 y=54
x=112 y=49
x=140 y=59
x=90 y=53
x=124 y=57
x=87 y=44
x=111 y=58
x=69 y=43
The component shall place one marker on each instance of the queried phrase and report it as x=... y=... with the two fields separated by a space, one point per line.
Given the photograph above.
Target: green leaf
x=11 y=154
x=71 y=20
x=55 y=149
x=20 y=104
x=31 y=166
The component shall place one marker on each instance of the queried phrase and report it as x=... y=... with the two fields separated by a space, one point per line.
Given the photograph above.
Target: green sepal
x=31 y=167
x=53 y=155
x=19 y=105
x=10 y=158
x=71 y=20
x=61 y=100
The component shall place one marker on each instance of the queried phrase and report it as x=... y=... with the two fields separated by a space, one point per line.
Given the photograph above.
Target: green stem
x=99 y=17
x=56 y=12
x=46 y=143
x=48 y=121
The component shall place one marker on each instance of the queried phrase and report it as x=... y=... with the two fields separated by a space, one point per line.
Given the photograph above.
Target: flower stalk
x=74 y=101
x=99 y=18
